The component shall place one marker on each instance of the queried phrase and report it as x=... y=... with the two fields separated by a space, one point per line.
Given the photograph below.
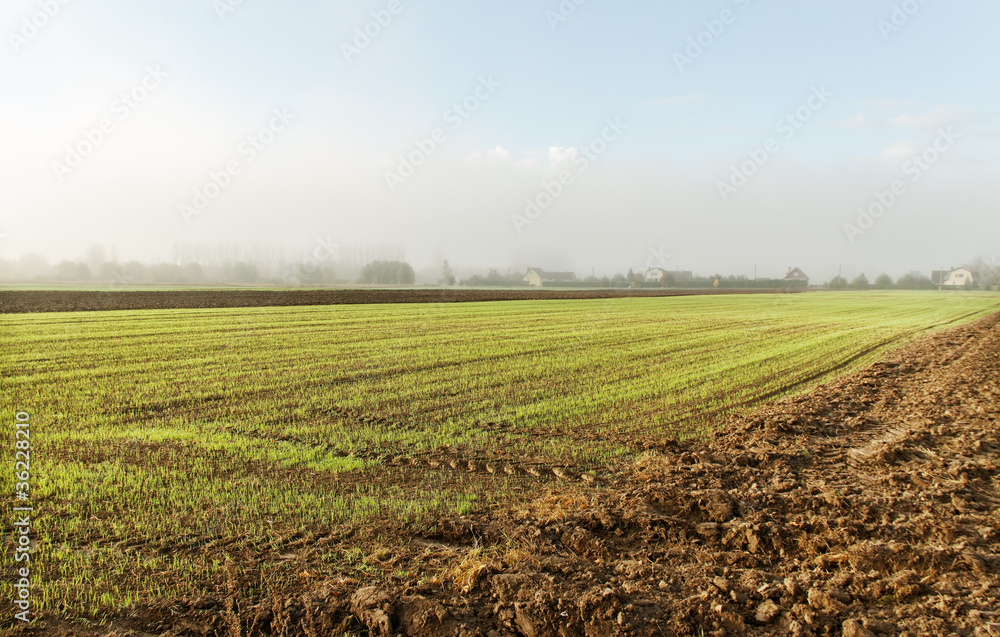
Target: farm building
x=955 y=278
x=796 y=275
x=538 y=277
x=657 y=275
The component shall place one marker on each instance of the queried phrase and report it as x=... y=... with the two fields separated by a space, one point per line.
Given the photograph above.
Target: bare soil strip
x=870 y=506
x=22 y=301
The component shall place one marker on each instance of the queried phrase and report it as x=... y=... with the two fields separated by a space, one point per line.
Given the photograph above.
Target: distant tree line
x=910 y=281
x=387 y=273
x=329 y=264
x=34 y=268
x=495 y=277
x=989 y=277
x=326 y=262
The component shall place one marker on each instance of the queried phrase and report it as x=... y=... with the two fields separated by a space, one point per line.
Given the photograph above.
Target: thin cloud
x=554 y=157
x=560 y=155
x=498 y=153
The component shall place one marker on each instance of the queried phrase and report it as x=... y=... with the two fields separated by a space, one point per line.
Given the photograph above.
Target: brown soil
x=13 y=302
x=870 y=506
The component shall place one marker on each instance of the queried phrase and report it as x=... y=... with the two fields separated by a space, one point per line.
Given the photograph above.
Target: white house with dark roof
x=657 y=275
x=538 y=277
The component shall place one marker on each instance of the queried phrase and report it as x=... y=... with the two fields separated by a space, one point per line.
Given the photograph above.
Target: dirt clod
x=767 y=612
x=853 y=628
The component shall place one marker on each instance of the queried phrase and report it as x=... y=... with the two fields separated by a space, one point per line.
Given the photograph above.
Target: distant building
x=957 y=278
x=657 y=275
x=796 y=275
x=538 y=277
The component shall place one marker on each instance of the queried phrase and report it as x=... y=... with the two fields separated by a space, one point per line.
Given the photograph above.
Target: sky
x=732 y=136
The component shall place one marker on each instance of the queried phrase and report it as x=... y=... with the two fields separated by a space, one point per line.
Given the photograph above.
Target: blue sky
x=556 y=85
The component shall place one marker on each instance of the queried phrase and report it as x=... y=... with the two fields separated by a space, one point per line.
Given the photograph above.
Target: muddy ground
x=870 y=506
x=20 y=301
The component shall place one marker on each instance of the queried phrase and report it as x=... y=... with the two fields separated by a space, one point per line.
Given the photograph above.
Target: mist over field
x=733 y=137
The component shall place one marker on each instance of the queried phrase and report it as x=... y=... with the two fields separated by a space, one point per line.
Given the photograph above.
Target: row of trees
x=910 y=281
x=231 y=265
x=988 y=279
x=326 y=262
x=387 y=273
x=628 y=280
x=913 y=280
x=495 y=278
x=35 y=268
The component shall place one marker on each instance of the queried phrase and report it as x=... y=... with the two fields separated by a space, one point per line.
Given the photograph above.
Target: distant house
x=796 y=275
x=538 y=277
x=657 y=275
x=956 y=278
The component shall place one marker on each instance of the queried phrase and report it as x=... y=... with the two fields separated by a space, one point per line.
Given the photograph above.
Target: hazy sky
x=712 y=136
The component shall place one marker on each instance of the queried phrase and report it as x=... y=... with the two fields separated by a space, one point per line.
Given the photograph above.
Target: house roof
x=796 y=274
x=552 y=276
x=940 y=276
x=673 y=273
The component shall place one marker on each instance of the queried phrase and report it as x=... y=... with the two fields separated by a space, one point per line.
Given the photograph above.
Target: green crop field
x=171 y=449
